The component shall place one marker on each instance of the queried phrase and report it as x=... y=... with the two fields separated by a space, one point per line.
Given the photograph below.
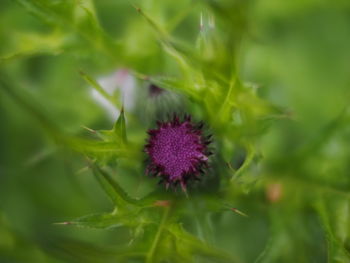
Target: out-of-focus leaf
x=251 y=152
x=98 y=88
x=179 y=86
x=28 y=44
x=188 y=244
x=225 y=110
x=118 y=196
x=167 y=44
x=60 y=15
x=102 y=151
x=12 y=241
x=69 y=250
x=334 y=218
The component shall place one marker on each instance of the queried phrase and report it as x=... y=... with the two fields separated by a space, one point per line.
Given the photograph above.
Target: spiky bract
x=177 y=151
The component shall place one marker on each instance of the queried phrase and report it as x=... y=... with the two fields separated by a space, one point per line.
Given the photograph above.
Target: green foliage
x=256 y=72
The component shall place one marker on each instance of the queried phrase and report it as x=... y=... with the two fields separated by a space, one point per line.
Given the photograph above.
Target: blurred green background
x=296 y=54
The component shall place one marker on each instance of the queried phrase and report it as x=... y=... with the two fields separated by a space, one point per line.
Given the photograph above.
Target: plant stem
x=150 y=254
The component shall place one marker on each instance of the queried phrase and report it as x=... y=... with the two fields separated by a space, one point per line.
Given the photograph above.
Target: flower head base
x=178 y=151
x=154 y=90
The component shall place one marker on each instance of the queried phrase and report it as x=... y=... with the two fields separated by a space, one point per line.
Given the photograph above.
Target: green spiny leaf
x=167 y=44
x=188 y=245
x=104 y=221
x=119 y=127
x=109 y=220
x=118 y=133
x=251 y=153
x=29 y=44
x=94 y=84
x=46 y=11
x=118 y=196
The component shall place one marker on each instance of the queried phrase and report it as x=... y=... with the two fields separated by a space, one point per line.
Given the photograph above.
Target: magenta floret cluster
x=177 y=151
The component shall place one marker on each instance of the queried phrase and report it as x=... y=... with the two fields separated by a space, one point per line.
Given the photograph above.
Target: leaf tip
x=63 y=223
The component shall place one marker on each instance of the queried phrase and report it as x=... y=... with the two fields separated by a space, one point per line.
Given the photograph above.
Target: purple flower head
x=154 y=90
x=178 y=151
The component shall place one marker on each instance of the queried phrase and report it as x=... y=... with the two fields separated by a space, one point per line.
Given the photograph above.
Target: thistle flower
x=177 y=151
x=154 y=90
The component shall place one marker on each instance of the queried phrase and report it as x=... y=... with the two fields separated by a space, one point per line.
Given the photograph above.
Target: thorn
x=148 y=145
x=187 y=117
x=138 y=9
x=200 y=125
x=230 y=167
x=239 y=212
x=162 y=203
x=212 y=22
x=152 y=132
x=63 y=223
x=81 y=170
x=183 y=187
x=81 y=73
x=175 y=118
x=88 y=129
x=208 y=142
